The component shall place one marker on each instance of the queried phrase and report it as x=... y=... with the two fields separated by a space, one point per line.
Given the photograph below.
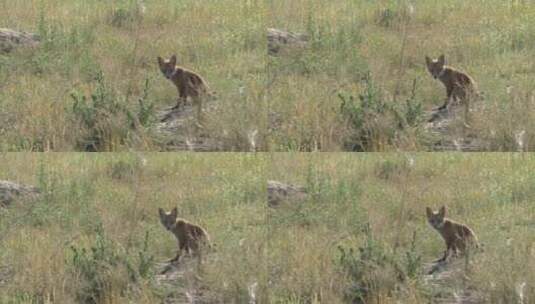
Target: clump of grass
x=98 y=269
x=374 y=122
x=386 y=17
x=106 y=123
x=391 y=169
x=105 y=269
x=127 y=13
x=125 y=169
x=370 y=270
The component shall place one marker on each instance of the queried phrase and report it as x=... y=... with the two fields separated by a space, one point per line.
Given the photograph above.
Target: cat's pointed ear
x=428 y=60
x=174 y=212
x=429 y=212
x=442 y=211
x=173 y=60
x=160 y=60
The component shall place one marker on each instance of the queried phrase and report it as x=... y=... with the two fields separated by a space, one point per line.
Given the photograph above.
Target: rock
x=9 y=191
x=6 y=274
x=443 y=129
x=178 y=132
x=442 y=280
x=278 y=39
x=279 y=192
x=179 y=283
x=10 y=39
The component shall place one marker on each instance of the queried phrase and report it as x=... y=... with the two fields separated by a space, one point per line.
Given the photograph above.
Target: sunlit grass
x=221 y=40
x=490 y=40
x=377 y=202
x=114 y=198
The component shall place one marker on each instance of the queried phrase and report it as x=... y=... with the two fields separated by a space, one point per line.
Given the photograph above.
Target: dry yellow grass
x=388 y=40
x=222 y=40
x=355 y=47
x=375 y=204
x=361 y=235
x=107 y=204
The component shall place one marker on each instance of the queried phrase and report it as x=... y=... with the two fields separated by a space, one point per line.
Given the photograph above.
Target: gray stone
x=177 y=131
x=279 y=39
x=443 y=135
x=9 y=191
x=279 y=192
x=10 y=39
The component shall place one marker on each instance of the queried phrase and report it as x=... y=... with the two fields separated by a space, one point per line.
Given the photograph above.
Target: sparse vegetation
x=94 y=236
x=315 y=93
x=94 y=83
x=388 y=40
x=359 y=235
x=370 y=118
x=366 y=239
x=339 y=75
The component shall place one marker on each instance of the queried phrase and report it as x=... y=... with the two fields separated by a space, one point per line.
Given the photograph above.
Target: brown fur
x=191 y=238
x=457 y=236
x=188 y=83
x=460 y=87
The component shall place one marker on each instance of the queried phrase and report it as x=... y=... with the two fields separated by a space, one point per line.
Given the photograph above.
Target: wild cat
x=191 y=238
x=458 y=237
x=460 y=87
x=188 y=83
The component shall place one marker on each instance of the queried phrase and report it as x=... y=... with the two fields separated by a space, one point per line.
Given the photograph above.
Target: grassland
x=94 y=235
x=95 y=77
x=362 y=235
x=362 y=83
